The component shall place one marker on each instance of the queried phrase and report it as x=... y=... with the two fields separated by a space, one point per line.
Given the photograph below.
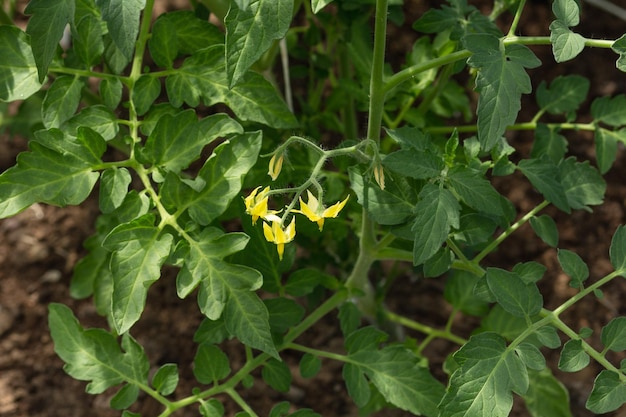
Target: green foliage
x=171 y=165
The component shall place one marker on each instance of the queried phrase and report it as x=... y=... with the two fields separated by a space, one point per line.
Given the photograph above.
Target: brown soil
x=39 y=247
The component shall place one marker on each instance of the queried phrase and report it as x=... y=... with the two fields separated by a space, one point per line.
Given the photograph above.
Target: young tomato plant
x=135 y=103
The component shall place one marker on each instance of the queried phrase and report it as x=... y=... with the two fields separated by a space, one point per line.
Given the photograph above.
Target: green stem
x=512 y=228
x=422 y=328
x=532 y=125
x=516 y=18
x=377 y=87
x=241 y=402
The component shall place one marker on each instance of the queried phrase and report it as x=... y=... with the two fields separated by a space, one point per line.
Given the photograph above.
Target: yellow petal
x=307 y=211
x=334 y=210
x=281 y=249
x=320 y=223
x=267 y=232
x=250 y=199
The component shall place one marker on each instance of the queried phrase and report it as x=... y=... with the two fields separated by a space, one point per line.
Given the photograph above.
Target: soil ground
x=39 y=247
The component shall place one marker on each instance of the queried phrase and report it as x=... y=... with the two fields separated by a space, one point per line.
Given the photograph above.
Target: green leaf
x=225 y=289
x=211 y=332
x=548 y=337
x=546 y=396
x=356 y=384
x=165 y=379
x=303 y=281
x=475 y=190
x=251 y=31
x=617 y=251
x=210 y=365
x=566 y=44
x=212 y=408
x=544 y=176
x=122 y=19
x=545 y=227
x=46 y=27
x=139 y=249
x=608 y=393
x=529 y=272
x=573 y=357
x=500 y=82
x=414 y=163
x=87 y=40
x=191 y=32
x=220 y=179
x=531 y=356
x=203 y=76
x=516 y=297
x=459 y=291
x=436 y=212
x=18 y=73
x=145 y=91
x=114 y=184
x=439 y=264
x=125 y=397
x=277 y=375
x=58 y=170
x=113 y=56
x=284 y=313
x=318 y=5
x=619 y=47
x=582 y=183
x=177 y=140
x=567 y=11
x=481 y=386
x=565 y=94
x=396 y=375
x=387 y=207
x=163 y=43
x=548 y=142
x=310 y=365
x=475 y=228
x=111 y=92
x=280 y=410
x=366 y=338
x=61 y=101
x=610 y=110
x=614 y=335
x=349 y=318
x=574 y=267
x=98 y=118
x=94 y=355
x=606 y=147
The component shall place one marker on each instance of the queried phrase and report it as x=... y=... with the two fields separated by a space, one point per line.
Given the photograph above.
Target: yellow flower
x=316 y=212
x=256 y=204
x=276 y=234
x=276 y=165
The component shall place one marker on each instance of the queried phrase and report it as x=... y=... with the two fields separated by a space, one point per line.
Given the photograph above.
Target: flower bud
x=276 y=165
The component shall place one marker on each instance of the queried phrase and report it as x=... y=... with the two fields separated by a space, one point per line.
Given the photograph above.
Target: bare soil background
x=39 y=247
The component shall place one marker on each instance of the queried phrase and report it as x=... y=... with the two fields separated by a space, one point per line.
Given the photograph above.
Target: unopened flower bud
x=276 y=164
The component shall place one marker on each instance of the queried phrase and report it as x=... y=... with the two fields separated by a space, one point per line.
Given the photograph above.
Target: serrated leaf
x=125 y=397
x=18 y=71
x=617 y=250
x=386 y=207
x=565 y=94
x=46 y=27
x=548 y=142
x=277 y=375
x=61 y=101
x=165 y=380
x=284 y=313
x=548 y=337
x=139 y=250
x=114 y=184
x=94 y=355
x=163 y=44
x=567 y=11
x=203 y=76
x=98 y=118
x=606 y=142
x=545 y=227
x=516 y=297
x=356 y=384
x=113 y=56
x=210 y=364
x=475 y=190
x=573 y=358
x=177 y=141
x=145 y=91
x=211 y=332
x=608 y=393
x=531 y=356
x=58 y=170
x=212 y=408
x=475 y=228
x=614 y=335
x=619 y=47
x=303 y=282
x=192 y=33
x=111 y=92
x=366 y=338
x=459 y=292
x=610 y=110
x=481 y=386
x=566 y=44
x=349 y=318
x=582 y=183
x=413 y=163
x=437 y=211
x=544 y=176
x=500 y=82
x=87 y=40
x=574 y=267
x=546 y=396
x=251 y=31
x=220 y=179
x=439 y=264
x=310 y=365
x=529 y=272
x=396 y=375
x=122 y=19
x=225 y=289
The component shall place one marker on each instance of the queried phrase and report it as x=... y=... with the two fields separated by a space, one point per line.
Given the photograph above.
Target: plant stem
x=422 y=328
x=377 y=88
x=516 y=18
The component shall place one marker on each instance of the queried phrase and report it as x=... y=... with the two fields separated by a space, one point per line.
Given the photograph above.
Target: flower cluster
x=273 y=229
